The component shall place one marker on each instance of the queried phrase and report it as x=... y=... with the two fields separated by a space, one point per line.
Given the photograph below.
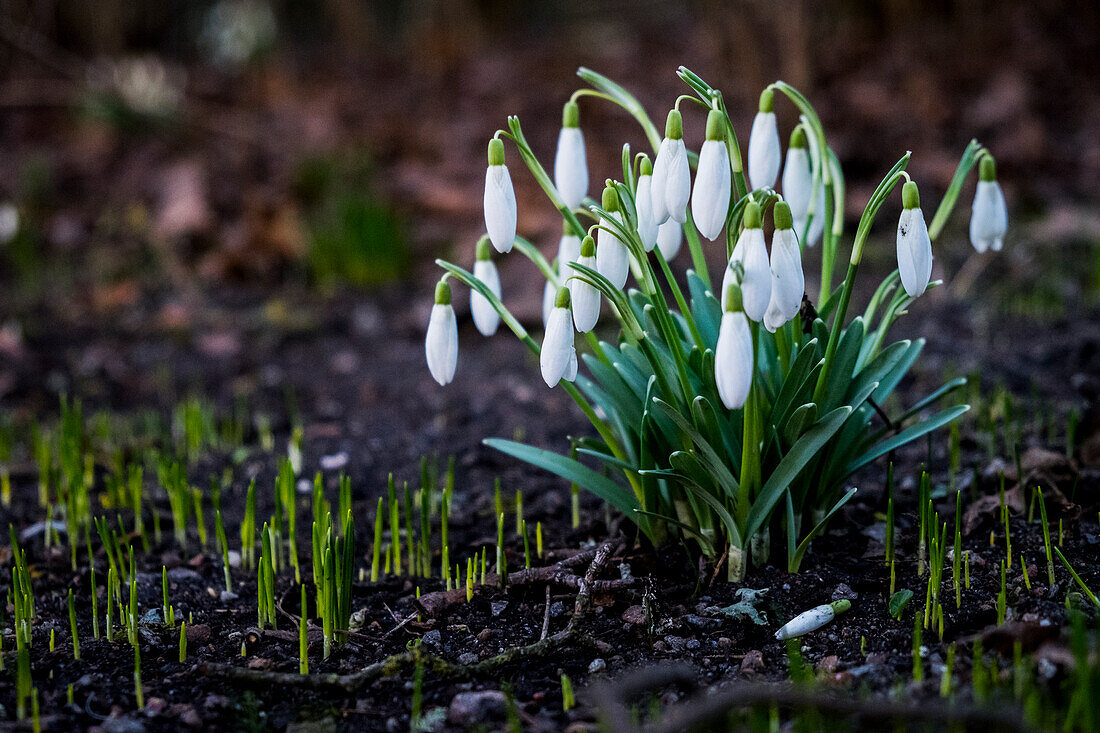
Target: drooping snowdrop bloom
x=569 y=249
x=733 y=357
x=584 y=297
x=441 y=343
x=557 y=344
x=989 y=217
x=643 y=200
x=612 y=256
x=813 y=619
x=570 y=164
x=764 y=152
x=710 y=201
x=671 y=187
x=798 y=179
x=500 y=200
x=914 y=246
x=752 y=252
x=485 y=315
x=788 y=281
x=670 y=237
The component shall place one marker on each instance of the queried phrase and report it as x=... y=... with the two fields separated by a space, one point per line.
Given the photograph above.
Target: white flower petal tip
x=764 y=150
x=756 y=284
x=557 y=345
x=441 y=343
x=914 y=245
x=711 y=198
x=571 y=370
x=788 y=280
x=733 y=360
x=486 y=318
x=670 y=237
x=812 y=620
x=989 y=217
x=571 y=167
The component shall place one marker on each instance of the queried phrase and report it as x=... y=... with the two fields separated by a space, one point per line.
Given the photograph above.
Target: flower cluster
x=801 y=391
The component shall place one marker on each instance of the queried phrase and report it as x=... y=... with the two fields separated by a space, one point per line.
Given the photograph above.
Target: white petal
x=485 y=316
x=806 y=622
x=678 y=183
x=788 y=280
x=817 y=224
x=660 y=176
x=711 y=198
x=612 y=256
x=585 y=299
x=500 y=208
x=571 y=167
x=914 y=252
x=670 y=236
x=557 y=346
x=549 y=294
x=441 y=344
x=756 y=286
x=647 y=226
x=989 y=217
x=733 y=360
x=773 y=317
x=764 y=152
x=569 y=250
x=797 y=182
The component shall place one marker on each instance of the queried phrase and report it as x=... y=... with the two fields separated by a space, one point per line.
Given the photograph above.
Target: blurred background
x=182 y=167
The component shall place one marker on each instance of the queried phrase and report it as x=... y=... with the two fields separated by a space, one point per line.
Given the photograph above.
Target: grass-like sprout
x=1046 y=536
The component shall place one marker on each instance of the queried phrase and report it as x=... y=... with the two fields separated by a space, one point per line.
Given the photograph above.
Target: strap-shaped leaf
x=891 y=380
x=570 y=470
x=936 y=396
x=905 y=436
x=790 y=466
x=801 y=419
x=844 y=365
x=795 y=560
x=715 y=465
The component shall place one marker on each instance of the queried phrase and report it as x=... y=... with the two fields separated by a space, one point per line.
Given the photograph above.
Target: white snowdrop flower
x=500 y=200
x=817 y=223
x=612 y=256
x=752 y=252
x=441 y=343
x=569 y=249
x=585 y=298
x=914 y=246
x=485 y=315
x=557 y=344
x=788 y=281
x=812 y=620
x=798 y=178
x=989 y=217
x=570 y=163
x=643 y=200
x=710 y=201
x=764 y=152
x=733 y=357
x=670 y=236
x=671 y=187
x=9 y=222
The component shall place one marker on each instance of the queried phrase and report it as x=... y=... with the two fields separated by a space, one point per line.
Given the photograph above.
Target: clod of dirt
x=470 y=708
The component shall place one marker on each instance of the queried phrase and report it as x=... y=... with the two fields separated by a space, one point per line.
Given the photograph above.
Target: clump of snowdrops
x=728 y=417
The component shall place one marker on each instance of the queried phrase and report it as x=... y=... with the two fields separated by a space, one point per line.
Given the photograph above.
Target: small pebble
x=597 y=665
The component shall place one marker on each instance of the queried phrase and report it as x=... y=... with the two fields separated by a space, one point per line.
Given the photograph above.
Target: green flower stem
x=681 y=303
x=617 y=94
x=835 y=193
x=695 y=246
x=750 y=446
x=971 y=156
x=544 y=180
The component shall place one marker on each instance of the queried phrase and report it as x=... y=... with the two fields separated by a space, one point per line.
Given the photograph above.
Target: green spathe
x=496 y=151
x=674 y=125
x=571 y=115
x=751 y=219
x=442 y=293
x=782 y=215
x=910 y=196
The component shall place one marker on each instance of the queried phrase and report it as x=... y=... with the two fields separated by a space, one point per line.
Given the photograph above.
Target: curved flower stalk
x=710 y=429
x=914 y=245
x=989 y=217
x=788 y=282
x=764 y=152
x=710 y=201
x=570 y=161
x=441 y=342
x=671 y=187
x=500 y=200
x=485 y=316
